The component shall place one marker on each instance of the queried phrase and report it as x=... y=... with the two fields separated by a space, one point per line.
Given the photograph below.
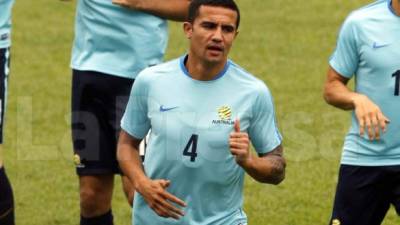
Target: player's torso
x=196 y=117
x=5 y=22
x=378 y=77
x=379 y=51
x=107 y=35
x=191 y=122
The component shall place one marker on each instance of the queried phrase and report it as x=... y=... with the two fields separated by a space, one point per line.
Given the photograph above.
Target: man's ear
x=188 y=29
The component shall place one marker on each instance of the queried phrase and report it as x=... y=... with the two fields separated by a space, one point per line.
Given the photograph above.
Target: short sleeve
x=345 y=59
x=263 y=130
x=135 y=120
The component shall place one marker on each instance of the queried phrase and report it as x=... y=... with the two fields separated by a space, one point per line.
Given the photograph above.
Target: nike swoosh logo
x=162 y=109
x=379 y=46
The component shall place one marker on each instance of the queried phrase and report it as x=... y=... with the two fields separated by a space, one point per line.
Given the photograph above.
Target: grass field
x=285 y=43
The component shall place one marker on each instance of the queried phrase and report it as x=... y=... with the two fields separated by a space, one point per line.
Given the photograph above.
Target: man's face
x=211 y=34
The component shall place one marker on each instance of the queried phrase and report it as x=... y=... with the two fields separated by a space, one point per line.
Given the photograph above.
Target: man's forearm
x=168 y=9
x=341 y=98
x=267 y=169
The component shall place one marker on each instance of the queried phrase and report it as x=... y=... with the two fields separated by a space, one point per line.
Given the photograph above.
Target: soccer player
x=204 y=111
x=112 y=44
x=368 y=49
x=6 y=193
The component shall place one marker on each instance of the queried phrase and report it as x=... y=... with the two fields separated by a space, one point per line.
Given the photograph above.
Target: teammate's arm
x=153 y=191
x=169 y=9
x=265 y=168
x=176 y=10
x=368 y=114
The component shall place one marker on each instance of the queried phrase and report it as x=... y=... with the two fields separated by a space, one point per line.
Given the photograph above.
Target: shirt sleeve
x=135 y=120
x=263 y=130
x=345 y=58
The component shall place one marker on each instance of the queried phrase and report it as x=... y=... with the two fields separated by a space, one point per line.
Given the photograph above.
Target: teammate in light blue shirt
x=5 y=23
x=116 y=40
x=368 y=49
x=6 y=193
x=112 y=44
x=203 y=111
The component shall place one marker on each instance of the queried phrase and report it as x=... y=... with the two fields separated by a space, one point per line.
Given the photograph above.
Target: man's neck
x=202 y=71
x=396 y=6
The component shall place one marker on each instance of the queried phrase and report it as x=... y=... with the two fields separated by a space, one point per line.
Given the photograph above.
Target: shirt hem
x=107 y=71
x=7 y=45
x=376 y=162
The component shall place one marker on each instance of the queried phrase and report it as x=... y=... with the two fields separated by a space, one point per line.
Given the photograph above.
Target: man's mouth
x=215 y=48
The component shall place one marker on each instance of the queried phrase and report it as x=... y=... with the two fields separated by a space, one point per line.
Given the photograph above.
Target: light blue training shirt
x=5 y=23
x=368 y=48
x=190 y=122
x=115 y=40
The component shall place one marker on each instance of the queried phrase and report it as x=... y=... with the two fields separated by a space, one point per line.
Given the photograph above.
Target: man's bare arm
x=336 y=92
x=128 y=157
x=153 y=191
x=369 y=115
x=176 y=10
x=267 y=168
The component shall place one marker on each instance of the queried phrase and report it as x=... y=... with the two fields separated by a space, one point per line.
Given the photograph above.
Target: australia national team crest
x=224 y=116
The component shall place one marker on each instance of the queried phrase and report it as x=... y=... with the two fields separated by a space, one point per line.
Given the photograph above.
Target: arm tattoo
x=278 y=164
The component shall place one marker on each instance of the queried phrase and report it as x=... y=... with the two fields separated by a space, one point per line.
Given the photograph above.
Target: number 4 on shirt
x=191 y=147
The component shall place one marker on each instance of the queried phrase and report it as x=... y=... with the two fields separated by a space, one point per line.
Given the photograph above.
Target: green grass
x=285 y=43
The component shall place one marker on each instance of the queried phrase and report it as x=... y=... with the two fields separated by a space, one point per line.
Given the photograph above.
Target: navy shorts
x=364 y=194
x=4 y=72
x=98 y=104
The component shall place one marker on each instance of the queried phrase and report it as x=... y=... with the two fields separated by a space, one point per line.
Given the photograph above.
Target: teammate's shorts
x=364 y=194
x=98 y=104
x=4 y=72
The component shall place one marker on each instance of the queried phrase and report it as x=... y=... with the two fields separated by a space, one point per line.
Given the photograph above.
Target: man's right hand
x=155 y=194
x=369 y=116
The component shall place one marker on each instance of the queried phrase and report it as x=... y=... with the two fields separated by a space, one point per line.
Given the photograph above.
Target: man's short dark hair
x=229 y=4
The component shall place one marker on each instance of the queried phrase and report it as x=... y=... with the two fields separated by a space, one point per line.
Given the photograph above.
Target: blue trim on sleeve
x=186 y=72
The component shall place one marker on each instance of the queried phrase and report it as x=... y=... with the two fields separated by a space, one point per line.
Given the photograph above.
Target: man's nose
x=217 y=35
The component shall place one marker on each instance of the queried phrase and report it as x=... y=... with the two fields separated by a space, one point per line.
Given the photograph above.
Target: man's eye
x=209 y=25
x=228 y=29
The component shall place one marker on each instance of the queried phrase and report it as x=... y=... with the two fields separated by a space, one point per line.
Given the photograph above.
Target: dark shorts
x=4 y=72
x=98 y=104
x=364 y=194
